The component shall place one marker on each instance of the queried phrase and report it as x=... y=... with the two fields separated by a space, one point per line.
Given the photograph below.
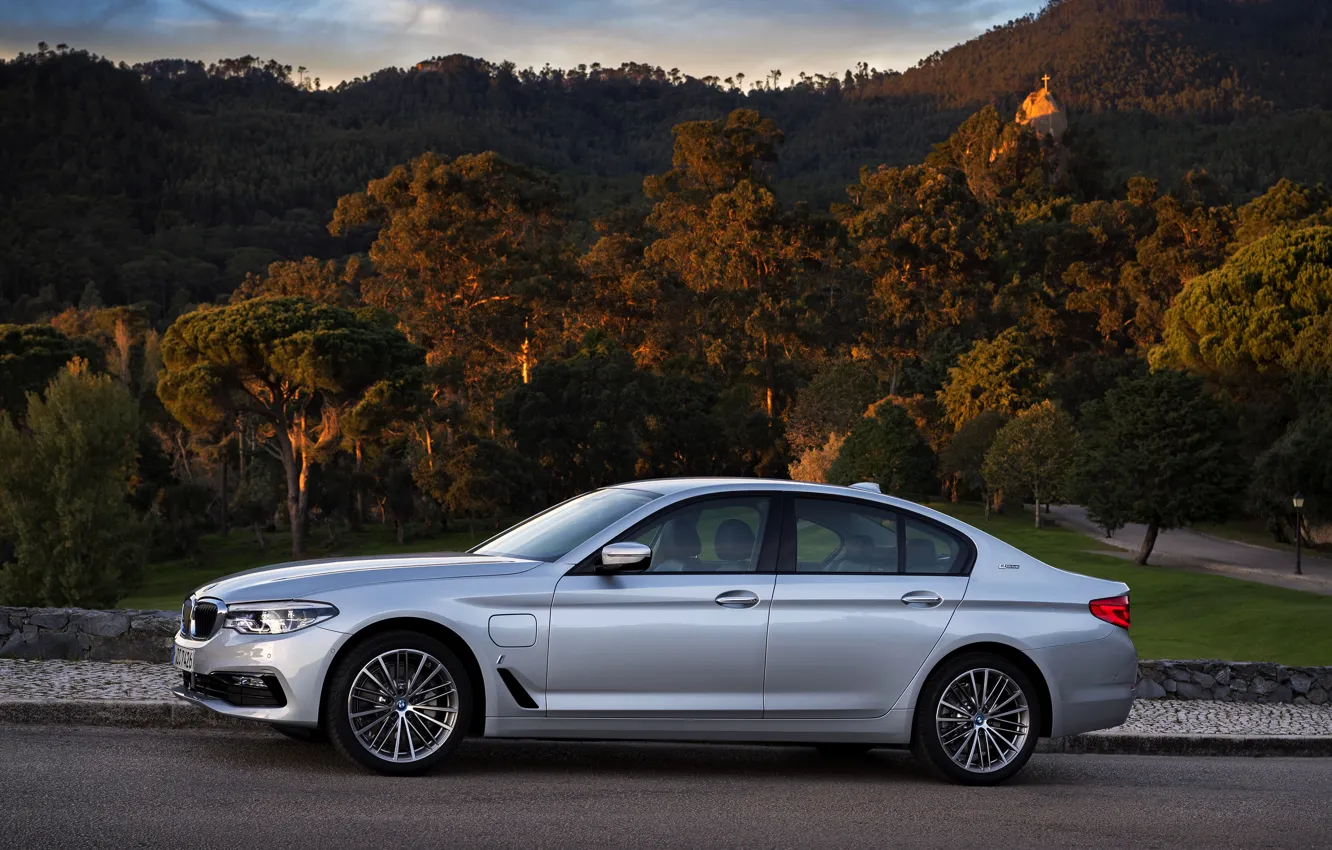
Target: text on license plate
x=183 y=658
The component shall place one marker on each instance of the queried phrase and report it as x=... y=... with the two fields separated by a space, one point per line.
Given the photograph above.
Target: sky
x=341 y=39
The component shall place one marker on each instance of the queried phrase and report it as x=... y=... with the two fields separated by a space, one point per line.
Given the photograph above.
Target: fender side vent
x=516 y=690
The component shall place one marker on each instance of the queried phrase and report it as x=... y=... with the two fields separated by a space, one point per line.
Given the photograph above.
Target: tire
x=398 y=682
x=968 y=744
x=304 y=734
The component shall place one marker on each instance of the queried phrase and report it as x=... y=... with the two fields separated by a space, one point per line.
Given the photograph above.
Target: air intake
x=516 y=690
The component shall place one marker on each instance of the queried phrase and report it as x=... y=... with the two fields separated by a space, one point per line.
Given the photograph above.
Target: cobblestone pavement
x=129 y=680
x=140 y=682
x=1205 y=717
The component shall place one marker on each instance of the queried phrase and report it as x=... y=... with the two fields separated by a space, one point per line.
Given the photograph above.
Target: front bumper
x=293 y=665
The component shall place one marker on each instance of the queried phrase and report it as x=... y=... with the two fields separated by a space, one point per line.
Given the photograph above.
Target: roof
x=671 y=486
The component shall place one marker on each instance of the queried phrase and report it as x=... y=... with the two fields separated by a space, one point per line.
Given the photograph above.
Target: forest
x=234 y=299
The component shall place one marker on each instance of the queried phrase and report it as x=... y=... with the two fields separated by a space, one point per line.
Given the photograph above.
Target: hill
x=142 y=183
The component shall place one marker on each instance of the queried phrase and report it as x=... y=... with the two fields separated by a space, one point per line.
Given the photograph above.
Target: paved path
x=139 y=682
x=1185 y=548
x=101 y=788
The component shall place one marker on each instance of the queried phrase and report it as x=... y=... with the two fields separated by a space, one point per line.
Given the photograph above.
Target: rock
x=5 y=628
x=1300 y=682
x=1222 y=693
x=1203 y=679
x=45 y=645
x=1263 y=686
x=155 y=623
x=101 y=623
x=1179 y=674
x=1188 y=690
x=1317 y=696
x=1325 y=681
x=56 y=619
x=1223 y=675
x=1301 y=701
x=1170 y=685
x=1280 y=693
x=10 y=646
x=1147 y=689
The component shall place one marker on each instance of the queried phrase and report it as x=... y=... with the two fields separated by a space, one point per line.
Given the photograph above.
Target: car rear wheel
x=977 y=720
x=398 y=704
x=304 y=734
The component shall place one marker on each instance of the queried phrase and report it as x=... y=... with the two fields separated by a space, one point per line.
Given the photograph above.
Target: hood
x=307 y=579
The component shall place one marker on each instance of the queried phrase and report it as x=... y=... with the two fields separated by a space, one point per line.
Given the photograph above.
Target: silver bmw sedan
x=736 y=610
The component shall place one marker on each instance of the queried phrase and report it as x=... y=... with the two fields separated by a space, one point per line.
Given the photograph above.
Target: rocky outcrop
x=1234 y=681
x=76 y=633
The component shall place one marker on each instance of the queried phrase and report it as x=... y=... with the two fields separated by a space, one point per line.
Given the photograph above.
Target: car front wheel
x=398 y=704
x=977 y=720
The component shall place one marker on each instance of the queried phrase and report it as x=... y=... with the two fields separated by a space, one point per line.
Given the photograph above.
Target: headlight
x=277 y=618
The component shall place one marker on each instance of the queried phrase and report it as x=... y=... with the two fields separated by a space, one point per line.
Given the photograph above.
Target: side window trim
x=787 y=558
x=769 y=546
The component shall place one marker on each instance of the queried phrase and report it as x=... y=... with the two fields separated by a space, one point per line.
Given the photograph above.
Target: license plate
x=182 y=658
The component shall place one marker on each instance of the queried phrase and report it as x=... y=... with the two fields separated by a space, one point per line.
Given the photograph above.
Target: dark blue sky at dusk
x=339 y=39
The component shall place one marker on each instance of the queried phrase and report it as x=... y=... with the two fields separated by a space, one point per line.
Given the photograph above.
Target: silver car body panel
x=817 y=657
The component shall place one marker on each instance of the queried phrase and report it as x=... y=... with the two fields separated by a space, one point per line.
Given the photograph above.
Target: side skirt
x=893 y=728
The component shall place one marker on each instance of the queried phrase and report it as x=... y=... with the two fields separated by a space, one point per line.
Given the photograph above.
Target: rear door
x=685 y=638
x=863 y=594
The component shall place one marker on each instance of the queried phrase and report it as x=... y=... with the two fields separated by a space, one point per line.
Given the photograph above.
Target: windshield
x=554 y=533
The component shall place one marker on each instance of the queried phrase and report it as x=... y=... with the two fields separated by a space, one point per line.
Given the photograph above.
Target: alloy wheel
x=403 y=705
x=983 y=720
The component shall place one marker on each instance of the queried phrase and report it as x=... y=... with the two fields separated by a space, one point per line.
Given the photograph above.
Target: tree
x=469 y=255
x=815 y=464
x=833 y=401
x=1298 y=462
x=999 y=374
x=296 y=366
x=65 y=484
x=963 y=456
x=581 y=420
x=887 y=448
x=1286 y=205
x=1260 y=317
x=1160 y=451
x=1032 y=455
x=30 y=356
x=926 y=245
x=485 y=480
x=743 y=259
x=330 y=282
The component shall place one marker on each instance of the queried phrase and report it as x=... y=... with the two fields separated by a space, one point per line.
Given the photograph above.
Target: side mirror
x=629 y=557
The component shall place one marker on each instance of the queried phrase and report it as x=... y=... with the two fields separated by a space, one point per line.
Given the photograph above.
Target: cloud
x=345 y=38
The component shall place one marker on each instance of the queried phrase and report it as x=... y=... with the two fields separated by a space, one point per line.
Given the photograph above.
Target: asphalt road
x=86 y=788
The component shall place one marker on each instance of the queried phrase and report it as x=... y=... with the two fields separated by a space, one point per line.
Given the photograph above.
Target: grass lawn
x=1179 y=614
x=166 y=583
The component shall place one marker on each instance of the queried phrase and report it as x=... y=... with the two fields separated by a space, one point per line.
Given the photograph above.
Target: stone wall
x=75 y=633
x=1234 y=681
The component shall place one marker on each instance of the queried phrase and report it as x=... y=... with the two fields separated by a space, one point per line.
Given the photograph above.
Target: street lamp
x=1298 y=501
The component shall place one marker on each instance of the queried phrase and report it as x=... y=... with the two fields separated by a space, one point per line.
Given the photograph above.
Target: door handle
x=922 y=599
x=738 y=599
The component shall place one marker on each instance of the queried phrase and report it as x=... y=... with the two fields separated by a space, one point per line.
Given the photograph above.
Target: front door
x=684 y=638
x=865 y=594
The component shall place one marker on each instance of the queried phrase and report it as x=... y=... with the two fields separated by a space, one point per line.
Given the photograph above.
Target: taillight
x=1113 y=609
